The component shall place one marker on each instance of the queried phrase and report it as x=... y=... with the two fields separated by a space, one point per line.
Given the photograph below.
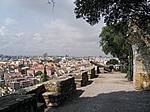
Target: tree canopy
x=45 y=75
x=38 y=73
x=113 y=11
x=114 y=42
x=112 y=62
x=137 y=12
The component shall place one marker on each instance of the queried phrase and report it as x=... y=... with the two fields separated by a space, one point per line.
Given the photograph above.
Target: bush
x=38 y=73
x=123 y=69
x=112 y=62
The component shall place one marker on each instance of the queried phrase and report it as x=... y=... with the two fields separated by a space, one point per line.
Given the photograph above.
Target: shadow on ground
x=121 y=101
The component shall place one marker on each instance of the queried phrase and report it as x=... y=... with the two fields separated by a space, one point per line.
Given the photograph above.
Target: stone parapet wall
x=141 y=76
x=58 y=90
x=38 y=90
x=91 y=72
x=21 y=103
x=81 y=77
x=50 y=93
x=64 y=85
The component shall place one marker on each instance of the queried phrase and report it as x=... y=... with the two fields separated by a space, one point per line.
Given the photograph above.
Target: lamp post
x=129 y=73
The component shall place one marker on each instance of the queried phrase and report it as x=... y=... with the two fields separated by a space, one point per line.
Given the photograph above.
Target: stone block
x=78 y=83
x=137 y=77
x=90 y=72
x=5 y=108
x=141 y=81
x=59 y=89
x=40 y=107
x=18 y=103
x=52 y=98
x=137 y=85
x=81 y=75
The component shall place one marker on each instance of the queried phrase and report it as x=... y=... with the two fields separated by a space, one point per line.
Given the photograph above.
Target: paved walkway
x=106 y=93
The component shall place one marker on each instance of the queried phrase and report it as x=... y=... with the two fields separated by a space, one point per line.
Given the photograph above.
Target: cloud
x=3 y=30
x=36 y=29
x=10 y=21
x=19 y=34
x=37 y=38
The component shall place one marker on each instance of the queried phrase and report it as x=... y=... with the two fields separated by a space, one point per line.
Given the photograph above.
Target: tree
x=38 y=73
x=45 y=74
x=112 y=10
x=24 y=70
x=112 y=62
x=114 y=42
x=137 y=12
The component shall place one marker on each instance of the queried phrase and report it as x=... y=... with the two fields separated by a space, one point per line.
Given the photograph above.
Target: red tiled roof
x=6 y=60
x=24 y=75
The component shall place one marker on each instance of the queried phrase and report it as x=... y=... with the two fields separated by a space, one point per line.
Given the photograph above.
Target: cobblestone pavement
x=106 y=93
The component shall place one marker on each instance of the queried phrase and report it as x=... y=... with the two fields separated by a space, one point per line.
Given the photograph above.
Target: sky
x=31 y=27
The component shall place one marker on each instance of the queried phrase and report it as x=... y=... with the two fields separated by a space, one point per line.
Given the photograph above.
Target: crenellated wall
x=40 y=96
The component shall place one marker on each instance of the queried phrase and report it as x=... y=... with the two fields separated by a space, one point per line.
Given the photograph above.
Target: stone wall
x=59 y=89
x=139 y=38
x=31 y=99
x=141 y=76
x=49 y=93
x=21 y=103
x=81 y=78
x=91 y=72
x=38 y=90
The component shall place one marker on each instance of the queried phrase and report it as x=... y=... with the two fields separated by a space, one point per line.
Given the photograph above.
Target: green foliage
x=56 y=61
x=38 y=73
x=42 y=61
x=113 y=42
x=20 y=66
x=50 y=60
x=24 y=71
x=123 y=69
x=58 y=65
x=112 y=62
x=45 y=75
x=112 y=10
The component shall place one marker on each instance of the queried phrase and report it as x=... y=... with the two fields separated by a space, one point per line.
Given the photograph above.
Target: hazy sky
x=29 y=27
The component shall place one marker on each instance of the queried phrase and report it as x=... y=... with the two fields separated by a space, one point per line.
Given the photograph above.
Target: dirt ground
x=106 y=93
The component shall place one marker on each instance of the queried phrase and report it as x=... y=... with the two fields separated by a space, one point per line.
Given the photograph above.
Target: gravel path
x=106 y=93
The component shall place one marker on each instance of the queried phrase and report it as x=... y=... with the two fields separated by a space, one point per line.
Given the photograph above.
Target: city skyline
x=32 y=28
